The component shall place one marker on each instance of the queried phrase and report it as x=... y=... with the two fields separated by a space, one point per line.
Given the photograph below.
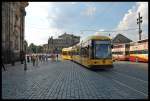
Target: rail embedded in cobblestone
x=64 y=80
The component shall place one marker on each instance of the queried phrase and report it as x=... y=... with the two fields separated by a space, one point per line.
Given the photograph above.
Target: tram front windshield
x=102 y=49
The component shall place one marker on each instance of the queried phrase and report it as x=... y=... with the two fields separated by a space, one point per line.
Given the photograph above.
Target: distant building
x=45 y=48
x=63 y=41
x=120 y=39
x=13 y=17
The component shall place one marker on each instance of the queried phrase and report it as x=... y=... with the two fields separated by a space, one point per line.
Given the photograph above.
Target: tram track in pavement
x=144 y=81
x=135 y=70
x=129 y=82
x=137 y=75
x=132 y=82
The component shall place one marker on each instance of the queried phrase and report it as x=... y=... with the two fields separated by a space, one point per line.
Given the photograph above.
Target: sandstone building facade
x=63 y=41
x=13 y=23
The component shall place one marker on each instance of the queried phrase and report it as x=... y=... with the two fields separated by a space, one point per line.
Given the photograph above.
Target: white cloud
x=38 y=9
x=129 y=21
x=66 y=3
x=37 y=27
x=102 y=33
x=73 y=3
x=90 y=11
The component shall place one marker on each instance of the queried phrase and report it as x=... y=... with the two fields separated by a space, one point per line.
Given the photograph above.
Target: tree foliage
x=32 y=48
x=35 y=49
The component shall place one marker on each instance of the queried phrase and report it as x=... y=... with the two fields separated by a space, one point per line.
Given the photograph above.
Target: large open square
x=68 y=80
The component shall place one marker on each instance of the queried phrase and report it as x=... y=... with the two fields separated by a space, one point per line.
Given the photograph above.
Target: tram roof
x=98 y=37
x=64 y=49
x=67 y=49
x=93 y=37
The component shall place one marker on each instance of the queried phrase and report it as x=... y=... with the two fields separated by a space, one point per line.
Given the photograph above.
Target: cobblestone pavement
x=68 y=80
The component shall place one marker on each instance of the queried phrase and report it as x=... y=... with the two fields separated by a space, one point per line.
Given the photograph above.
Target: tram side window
x=69 y=53
x=77 y=52
x=144 y=51
x=90 y=51
x=64 y=53
x=87 y=51
x=127 y=52
x=134 y=52
x=118 y=53
x=72 y=52
x=84 y=52
x=139 y=51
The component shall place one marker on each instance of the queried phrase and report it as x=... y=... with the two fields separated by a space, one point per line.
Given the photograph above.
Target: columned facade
x=13 y=17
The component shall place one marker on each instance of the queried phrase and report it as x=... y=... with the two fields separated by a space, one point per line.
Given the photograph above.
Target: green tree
x=32 y=48
x=39 y=49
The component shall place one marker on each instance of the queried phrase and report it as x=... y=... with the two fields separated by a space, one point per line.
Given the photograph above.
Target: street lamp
x=25 y=64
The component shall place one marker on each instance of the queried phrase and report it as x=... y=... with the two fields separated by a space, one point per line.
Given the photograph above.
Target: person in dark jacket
x=2 y=65
x=57 y=56
x=28 y=58
x=22 y=57
x=12 y=53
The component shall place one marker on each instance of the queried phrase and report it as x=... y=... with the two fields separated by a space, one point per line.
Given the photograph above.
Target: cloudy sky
x=45 y=19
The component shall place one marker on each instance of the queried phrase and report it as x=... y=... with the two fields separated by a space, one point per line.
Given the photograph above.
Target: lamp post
x=25 y=64
x=139 y=21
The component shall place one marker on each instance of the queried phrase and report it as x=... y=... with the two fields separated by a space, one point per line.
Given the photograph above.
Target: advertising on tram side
x=139 y=51
x=120 y=52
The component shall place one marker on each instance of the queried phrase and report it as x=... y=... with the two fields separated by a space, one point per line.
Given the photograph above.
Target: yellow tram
x=94 y=52
x=66 y=54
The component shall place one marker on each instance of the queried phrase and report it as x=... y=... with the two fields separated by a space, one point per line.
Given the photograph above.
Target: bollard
x=25 y=66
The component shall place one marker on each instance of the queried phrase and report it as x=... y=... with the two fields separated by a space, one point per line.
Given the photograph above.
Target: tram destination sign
x=102 y=42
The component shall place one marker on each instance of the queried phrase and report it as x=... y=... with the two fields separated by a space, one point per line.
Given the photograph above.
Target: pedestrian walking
x=43 y=58
x=22 y=57
x=40 y=58
x=52 y=57
x=28 y=58
x=12 y=57
x=33 y=60
x=2 y=65
x=57 y=56
x=25 y=64
x=46 y=58
x=36 y=60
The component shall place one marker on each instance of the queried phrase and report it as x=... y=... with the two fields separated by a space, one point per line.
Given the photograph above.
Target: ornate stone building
x=13 y=23
x=63 y=41
x=45 y=48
